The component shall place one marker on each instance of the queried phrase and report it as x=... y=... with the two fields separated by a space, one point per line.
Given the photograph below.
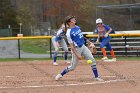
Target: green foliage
x=7 y=14
x=25 y=17
x=33 y=12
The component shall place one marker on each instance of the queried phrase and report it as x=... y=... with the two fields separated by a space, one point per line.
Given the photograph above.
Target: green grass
x=37 y=46
x=61 y=58
x=123 y=58
x=128 y=58
x=22 y=59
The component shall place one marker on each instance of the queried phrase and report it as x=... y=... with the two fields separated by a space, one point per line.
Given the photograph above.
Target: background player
x=103 y=32
x=76 y=41
x=58 y=40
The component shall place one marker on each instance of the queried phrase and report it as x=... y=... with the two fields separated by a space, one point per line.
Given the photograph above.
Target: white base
x=109 y=60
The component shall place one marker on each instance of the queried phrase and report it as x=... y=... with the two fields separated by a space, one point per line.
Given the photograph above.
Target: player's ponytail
x=66 y=26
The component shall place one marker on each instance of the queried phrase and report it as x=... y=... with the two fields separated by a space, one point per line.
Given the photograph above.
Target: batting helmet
x=99 y=20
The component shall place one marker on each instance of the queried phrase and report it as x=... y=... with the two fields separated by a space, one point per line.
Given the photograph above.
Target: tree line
x=33 y=13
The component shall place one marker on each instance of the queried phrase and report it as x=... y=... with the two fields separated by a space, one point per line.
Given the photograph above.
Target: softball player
x=103 y=32
x=58 y=40
x=76 y=41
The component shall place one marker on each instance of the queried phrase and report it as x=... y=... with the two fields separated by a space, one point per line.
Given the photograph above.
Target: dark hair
x=67 y=20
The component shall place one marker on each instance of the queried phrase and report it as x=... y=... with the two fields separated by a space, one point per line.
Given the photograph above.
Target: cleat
x=58 y=77
x=104 y=58
x=98 y=79
x=55 y=64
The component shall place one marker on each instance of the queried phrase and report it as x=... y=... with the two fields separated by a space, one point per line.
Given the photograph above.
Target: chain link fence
x=120 y=17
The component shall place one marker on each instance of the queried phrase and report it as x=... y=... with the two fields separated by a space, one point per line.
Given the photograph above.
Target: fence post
x=125 y=46
x=137 y=52
x=50 y=48
x=18 y=48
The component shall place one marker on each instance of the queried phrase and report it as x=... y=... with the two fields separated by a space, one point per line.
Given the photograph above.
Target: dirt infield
x=38 y=77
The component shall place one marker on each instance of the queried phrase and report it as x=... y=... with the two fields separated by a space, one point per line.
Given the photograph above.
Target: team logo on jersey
x=77 y=32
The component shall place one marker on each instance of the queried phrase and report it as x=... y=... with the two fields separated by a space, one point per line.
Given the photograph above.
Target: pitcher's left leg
x=88 y=55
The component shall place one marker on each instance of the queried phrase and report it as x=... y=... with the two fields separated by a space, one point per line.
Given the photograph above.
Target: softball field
x=38 y=77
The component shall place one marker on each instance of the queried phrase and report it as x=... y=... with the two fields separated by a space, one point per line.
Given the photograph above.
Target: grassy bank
x=37 y=46
x=60 y=58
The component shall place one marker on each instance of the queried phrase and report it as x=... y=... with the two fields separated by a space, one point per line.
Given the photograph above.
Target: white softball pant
x=84 y=51
x=62 y=42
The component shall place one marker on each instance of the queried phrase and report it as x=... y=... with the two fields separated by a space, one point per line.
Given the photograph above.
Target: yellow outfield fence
x=49 y=37
x=128 y=44
x=18 y=38
x=26 y=37
x=124 y=41
x=115 y=35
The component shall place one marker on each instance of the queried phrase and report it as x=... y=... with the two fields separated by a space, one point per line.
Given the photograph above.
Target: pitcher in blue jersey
x=58 y=40
x=76 y=40
x=103 y=32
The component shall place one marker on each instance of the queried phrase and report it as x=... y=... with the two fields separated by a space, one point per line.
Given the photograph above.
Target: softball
x=89 y=61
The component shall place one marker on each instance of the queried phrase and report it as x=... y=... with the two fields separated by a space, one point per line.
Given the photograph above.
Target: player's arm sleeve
x=59 y=32
x=69 y=37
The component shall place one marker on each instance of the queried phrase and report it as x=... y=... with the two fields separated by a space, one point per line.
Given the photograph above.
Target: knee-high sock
x=55 y=56
x=66 y=55
x=104 y=52
x=64 y=71
x=112 y=53
x=95 y=71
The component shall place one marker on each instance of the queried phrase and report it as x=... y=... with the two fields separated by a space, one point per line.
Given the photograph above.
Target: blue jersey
x=103 y=30
x=74 y=35
x=60 y=35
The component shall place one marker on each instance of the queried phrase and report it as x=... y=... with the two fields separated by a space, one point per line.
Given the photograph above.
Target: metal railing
x=125 y=37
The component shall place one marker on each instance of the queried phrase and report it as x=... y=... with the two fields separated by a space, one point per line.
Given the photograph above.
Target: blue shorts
x=105 y=42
